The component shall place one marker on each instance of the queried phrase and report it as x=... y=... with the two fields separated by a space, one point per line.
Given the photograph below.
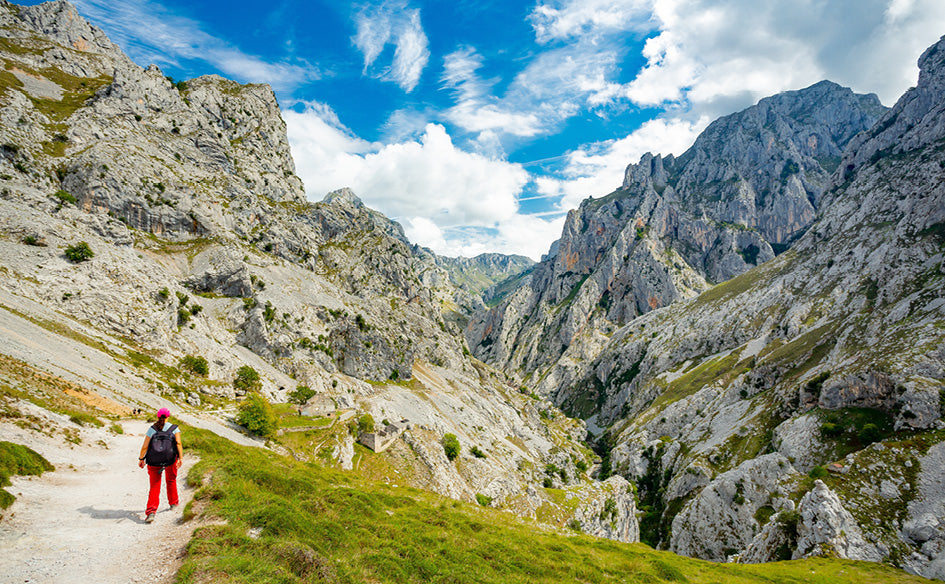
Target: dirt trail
x=85 y=521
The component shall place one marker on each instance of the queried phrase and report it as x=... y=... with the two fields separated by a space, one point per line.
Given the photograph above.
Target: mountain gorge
x=772 y=415
x=753 y=332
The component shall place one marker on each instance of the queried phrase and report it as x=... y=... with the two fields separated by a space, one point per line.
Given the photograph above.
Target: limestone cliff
x=750 y=184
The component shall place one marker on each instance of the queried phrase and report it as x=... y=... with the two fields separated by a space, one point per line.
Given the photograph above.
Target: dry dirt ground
x=85 y=521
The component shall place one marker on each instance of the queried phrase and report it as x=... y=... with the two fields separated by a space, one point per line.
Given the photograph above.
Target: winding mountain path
x=85 y=521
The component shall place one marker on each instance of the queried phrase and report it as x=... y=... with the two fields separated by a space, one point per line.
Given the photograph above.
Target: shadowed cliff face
x=749 y=186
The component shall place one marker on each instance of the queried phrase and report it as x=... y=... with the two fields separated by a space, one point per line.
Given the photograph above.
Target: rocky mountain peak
x=61 y=21
x=344 y=196
x=748 y=187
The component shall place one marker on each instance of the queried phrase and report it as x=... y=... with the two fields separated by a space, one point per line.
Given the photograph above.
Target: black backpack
x=162 y=450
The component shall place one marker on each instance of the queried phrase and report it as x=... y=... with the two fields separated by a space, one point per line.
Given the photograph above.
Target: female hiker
x=163 y=452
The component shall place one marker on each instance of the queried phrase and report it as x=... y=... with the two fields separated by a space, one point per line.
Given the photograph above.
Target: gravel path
x=85 y=521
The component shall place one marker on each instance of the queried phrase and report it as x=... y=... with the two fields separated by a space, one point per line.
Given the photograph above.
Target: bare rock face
x=818 y=356
x=826 y=528
x=720 y=520
x=608 y=509
x=750 y=184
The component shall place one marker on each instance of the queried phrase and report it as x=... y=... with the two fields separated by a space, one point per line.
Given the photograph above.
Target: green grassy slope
x=289 y=522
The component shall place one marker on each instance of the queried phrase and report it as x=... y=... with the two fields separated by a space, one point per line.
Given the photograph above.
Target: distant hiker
x=163 y=452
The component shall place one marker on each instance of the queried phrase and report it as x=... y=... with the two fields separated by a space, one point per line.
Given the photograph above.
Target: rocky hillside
x=749 y=186
x=160 y=223
x=796 y=409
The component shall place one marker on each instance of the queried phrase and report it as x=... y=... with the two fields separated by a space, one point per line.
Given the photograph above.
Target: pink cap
x=164 y=413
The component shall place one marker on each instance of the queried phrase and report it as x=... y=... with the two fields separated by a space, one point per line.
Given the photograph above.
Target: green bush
x=18 y=460
x=195 y=364
x=870 y=433
x=182 y=298
x=195 y=309
x=581 y=465
x=257 y=415
x=183 y=316
x=300 y=395
x=65 y=197
x=476 y=452
x=483 y=500
x=366 y=424
x=163 y=294
x=451 y=446
x=79 y=252
x=818 y=472
x=247 y=380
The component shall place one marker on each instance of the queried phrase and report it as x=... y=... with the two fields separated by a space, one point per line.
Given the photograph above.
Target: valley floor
x=85 y=520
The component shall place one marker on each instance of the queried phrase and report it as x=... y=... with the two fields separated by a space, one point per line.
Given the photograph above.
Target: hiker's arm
x=144 y=450
x=180 y=449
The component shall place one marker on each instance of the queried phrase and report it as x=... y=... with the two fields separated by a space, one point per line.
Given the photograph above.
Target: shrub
x=183 y=316
x=269 y=312
x=195 y=309
x=483 y=500
x=581 y=465
x=366 y=423
x=247 y=380
x=163 y=294
x=194 y=364
x=79 y=252
x=451 y=446
x=65 y=197
x=870 y=433
x=300 y=395
x=257 y=415
x=831 y=430
x=546 y=482
x=476 y=452
x=575 y=525
x=182 y=298
x=818 y=472
x=34 y=240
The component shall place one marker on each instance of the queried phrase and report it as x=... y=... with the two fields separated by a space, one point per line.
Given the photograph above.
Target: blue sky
x=478 y=124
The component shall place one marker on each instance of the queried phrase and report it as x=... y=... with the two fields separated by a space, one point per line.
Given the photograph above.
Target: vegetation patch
x=16 y=459
x=409 y=536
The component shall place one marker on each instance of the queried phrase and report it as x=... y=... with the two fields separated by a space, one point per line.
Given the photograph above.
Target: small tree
x=79 y=252
x=257 y=415
x=300 y=396
x=451 y=446
x=366 y=424
x=195 y=364
x=247 y=380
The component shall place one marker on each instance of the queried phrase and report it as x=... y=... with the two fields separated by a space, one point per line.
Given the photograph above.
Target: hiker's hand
x=179 y=463
x=140 y=464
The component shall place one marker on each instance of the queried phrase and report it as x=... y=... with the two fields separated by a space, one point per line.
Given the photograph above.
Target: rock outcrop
x=748 y=187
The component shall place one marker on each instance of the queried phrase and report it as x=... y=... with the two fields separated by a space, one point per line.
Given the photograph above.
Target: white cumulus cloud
x=451 y=200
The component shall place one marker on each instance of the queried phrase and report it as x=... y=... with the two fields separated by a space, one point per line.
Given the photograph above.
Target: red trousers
x=154 y=494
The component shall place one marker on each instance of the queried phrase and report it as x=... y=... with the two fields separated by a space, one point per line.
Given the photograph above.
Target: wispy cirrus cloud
x=393 y=22
x=150 y=33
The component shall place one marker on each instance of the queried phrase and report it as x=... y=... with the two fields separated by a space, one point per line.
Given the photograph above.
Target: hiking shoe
x=149 y=518
x=173 y=507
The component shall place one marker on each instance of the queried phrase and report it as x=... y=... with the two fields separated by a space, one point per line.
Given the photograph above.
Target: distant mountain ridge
x=750 y=183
